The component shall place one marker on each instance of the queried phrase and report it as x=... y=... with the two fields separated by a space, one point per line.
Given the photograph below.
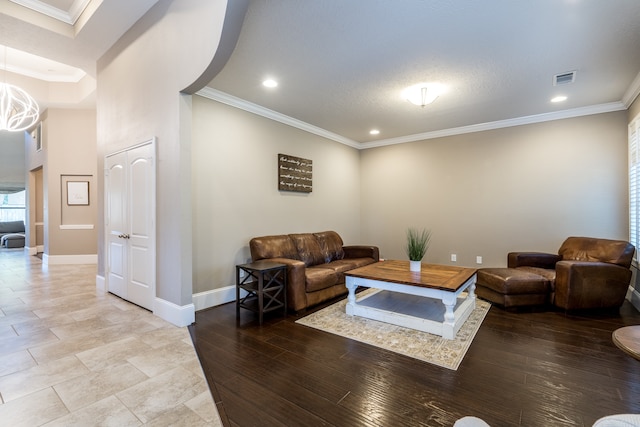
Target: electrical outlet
x=478 y=260
x=454 y=258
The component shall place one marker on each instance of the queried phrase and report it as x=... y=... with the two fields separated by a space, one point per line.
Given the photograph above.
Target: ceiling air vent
x=564 y=78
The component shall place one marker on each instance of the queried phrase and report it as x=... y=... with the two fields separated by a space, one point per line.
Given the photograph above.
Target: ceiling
x=72 y=32
x=60 y=41
x=342 y=65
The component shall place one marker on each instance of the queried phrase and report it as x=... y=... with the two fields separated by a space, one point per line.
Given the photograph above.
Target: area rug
x=419 y=345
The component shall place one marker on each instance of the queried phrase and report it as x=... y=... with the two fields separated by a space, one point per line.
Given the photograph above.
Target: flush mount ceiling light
x=18 y=110
x=374 y=132
x=423 y=93
x=270 y=83
x=559 y=98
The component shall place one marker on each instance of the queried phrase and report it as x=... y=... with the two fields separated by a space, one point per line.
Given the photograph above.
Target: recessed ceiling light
x=559 y=98
x=270 y=83
x=374 y=132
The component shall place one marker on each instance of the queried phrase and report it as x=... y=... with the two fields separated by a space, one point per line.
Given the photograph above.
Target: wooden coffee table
x=627 y=339
x=433 y=300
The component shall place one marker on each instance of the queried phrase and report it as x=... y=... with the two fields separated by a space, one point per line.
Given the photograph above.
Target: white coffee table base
x=435 y=311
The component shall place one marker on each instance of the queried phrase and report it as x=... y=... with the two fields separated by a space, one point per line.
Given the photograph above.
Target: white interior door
x=130 y=224
x=141 y=235
x=116 y=223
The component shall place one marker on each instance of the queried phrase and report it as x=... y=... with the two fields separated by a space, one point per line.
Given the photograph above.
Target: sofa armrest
x=362 y=251
x=587 y=284
x=296 y=282
x=532 y=259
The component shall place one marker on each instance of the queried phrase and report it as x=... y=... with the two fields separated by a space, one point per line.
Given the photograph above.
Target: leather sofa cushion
x=512 y=281
x=591 y=249
x=319 y=277
x=331 y=245
x=342 y=265
x=272 y=247
x=548 y=274
x=308 y=248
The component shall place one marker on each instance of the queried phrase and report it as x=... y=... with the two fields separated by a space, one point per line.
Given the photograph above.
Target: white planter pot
x=415 y=265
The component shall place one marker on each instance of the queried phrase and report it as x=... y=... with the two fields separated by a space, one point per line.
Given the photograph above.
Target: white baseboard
x=69 y=259
x=215 y=297
x=101 y=283
x=31 y=251
x=633 y=295
x=172 y=313
x=178 y=315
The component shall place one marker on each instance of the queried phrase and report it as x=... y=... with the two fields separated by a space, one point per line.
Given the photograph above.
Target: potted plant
x=417 y=245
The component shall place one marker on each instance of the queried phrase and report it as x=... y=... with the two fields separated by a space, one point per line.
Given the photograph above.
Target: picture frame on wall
x=77 y=193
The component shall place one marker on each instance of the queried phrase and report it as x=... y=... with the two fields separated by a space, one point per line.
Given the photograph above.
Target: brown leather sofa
x=586 y=273
x=316 y=263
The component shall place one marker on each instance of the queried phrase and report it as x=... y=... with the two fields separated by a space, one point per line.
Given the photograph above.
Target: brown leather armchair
x=586 y=272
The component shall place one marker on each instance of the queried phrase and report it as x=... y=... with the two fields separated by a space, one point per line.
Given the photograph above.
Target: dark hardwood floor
x=526 y=368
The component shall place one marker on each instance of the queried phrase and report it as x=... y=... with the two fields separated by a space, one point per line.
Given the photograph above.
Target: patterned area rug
x=419 y=345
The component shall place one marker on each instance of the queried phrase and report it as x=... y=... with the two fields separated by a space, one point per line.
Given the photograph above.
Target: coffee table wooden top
x=628 y=340
x=445 y=277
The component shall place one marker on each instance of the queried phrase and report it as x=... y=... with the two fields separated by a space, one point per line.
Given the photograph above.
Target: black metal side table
x=266 y=285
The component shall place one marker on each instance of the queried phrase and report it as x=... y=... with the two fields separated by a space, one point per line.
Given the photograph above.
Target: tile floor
x=73 y=356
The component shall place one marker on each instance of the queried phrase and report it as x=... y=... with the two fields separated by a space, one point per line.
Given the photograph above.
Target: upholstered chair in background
x=586 y=273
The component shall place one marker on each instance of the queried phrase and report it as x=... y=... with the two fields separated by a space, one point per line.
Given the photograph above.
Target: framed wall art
x=78 y=193
x=295 y=174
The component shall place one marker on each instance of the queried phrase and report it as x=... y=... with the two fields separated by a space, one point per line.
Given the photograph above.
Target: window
x=634 y=183
x=12 y=206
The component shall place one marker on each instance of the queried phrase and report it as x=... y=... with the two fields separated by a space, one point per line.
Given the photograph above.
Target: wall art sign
x=294 y=174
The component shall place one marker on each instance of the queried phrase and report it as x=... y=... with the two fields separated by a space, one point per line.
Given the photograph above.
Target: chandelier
x=18 y=110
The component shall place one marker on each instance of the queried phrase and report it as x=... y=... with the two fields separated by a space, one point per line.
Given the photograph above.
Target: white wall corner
x=179 y=315
x=215 y=297
x=101 y=284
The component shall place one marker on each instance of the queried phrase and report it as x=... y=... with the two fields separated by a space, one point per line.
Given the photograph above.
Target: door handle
x=123 y=236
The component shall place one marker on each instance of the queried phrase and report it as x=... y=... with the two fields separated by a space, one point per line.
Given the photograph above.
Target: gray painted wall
x=488 y=193
x=138 y=97
x=483 y=194
x=235 y=188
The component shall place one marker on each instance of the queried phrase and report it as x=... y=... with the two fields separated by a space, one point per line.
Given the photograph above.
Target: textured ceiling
x=342 y=65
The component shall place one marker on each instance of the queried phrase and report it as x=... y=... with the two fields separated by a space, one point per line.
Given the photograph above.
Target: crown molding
x=632 y=93
x=68 y=17
x=519 y=121
x=233 y=101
